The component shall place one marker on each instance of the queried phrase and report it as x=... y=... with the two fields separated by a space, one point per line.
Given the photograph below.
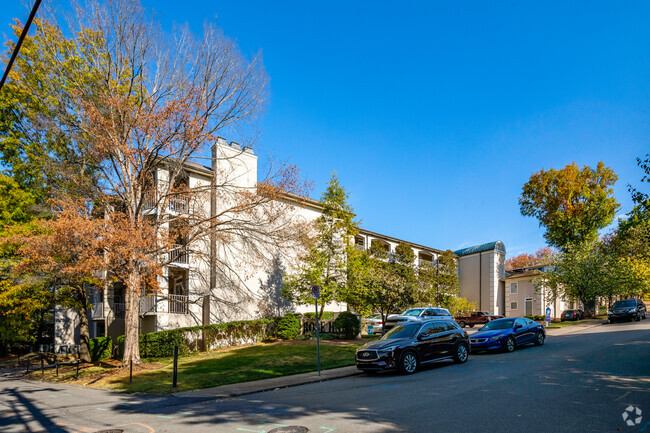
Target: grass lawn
x=571 y=323
x=206 y=370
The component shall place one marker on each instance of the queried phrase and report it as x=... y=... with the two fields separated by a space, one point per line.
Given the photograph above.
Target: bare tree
x=159 y=103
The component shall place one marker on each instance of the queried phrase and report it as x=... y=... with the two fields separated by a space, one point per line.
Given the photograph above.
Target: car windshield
x=624 y=304
x=487 y=313
x=498 y=324
x=401 y=331
x=413 y=312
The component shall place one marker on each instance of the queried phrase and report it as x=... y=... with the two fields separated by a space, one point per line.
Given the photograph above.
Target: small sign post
x=370 y=330
x=548 y=316
x=315 y=293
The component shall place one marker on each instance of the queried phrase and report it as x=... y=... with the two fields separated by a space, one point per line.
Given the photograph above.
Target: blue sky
x=434 y=114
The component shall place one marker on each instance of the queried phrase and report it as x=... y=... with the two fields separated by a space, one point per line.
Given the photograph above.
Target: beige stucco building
x=481 y=269
x=524 y=296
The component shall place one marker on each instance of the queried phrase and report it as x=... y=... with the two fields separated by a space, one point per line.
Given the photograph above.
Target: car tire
x=471 y=325
x=408 y=362
x=462 y=353
x=462 y=324
x=637 y=318
x=509 y=345
x=539 y=338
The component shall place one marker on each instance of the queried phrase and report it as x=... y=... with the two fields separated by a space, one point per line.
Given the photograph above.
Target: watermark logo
x=632 y=415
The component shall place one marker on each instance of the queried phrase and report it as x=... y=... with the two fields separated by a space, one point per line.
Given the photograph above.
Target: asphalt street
x=578 y=382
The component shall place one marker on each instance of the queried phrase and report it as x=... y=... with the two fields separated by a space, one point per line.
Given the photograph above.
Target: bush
x=161 y=344
x=289 y=327
x=100 y=348
x=348 y=325
x=537 y=317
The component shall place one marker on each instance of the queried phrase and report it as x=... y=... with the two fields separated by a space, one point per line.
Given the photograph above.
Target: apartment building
x=211 y=279
x=524 y=296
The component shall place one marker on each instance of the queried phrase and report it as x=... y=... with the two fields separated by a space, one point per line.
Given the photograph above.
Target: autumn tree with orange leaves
x=540 y=257
x=161 y=101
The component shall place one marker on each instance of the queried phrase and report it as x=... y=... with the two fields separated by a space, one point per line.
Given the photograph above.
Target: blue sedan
x=507 y=334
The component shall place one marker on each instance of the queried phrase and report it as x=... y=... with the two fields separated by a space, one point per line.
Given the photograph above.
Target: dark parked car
x=409 y=345
x=629 y=309
x=572 y=315
x=508 y=334
x=416 y=315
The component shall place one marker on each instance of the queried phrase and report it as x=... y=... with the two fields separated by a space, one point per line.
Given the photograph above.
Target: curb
x=575 y=328
x=264 y=385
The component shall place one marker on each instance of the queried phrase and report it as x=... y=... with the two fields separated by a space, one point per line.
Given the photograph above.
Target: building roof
x=496 y=245
x=396 y=240
x=523 y=274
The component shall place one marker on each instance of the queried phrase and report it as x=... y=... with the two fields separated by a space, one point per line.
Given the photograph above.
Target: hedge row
x=161 y=344
x=100 y=348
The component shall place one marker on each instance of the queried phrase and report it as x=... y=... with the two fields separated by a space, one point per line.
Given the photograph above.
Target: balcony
x=422 y=262
x=148 y=304
x=119 y=309
x=179 y=204
x=179 y=254
x=97 y=310
x=177 y=304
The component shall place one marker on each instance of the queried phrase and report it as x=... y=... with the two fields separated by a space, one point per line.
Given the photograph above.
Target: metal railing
x=97 y=310
x=119 y=309
x=422 y=262
x=148 y=304
x=179 y=254
x=179 y=204
x=179 y=304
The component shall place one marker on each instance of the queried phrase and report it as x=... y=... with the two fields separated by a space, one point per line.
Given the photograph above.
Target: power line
x=37 y=3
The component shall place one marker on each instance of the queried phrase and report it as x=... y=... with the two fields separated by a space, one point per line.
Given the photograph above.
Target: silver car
x=374 y=320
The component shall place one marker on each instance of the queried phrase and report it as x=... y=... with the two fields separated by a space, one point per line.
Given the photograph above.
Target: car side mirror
x=518 y=326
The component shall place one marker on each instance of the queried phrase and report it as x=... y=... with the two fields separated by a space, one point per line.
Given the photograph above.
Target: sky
x=434 y=114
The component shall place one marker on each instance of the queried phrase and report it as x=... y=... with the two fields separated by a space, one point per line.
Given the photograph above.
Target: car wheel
x=408 y=362
x=539 y=338
x=462 y=324
x=471 y=325
x=637 y=318
x=462 y=354
x=510 y=344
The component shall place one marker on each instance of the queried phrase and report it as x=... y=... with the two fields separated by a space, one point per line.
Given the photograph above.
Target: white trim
x=516 y=305
x=514 y=285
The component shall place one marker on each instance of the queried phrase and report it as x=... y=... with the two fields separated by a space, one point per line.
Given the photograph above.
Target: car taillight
x=379 y=323
x=574 y=314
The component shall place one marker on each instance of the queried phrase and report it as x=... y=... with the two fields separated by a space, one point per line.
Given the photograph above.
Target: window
x=513 y=305
x=452 y=326
x=513 y=289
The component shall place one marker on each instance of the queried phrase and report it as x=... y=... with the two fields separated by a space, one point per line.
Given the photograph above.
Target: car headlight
x=388 y=349
x=496 y=337
x=633 y=310
x=609 y=313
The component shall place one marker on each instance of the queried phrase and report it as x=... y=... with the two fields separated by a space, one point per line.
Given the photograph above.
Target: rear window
x=413 y=312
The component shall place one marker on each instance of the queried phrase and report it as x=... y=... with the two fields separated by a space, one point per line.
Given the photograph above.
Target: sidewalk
x=575 y=328
x=243 y=388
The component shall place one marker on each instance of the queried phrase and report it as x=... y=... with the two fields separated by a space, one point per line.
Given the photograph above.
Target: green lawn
x=261 y=361
x=571 y=323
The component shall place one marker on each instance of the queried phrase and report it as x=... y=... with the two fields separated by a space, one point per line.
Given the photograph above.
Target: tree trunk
x=84 y=332
x=132 y=320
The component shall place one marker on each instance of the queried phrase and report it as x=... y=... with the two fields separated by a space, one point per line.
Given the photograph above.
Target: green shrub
x=536 y=317
x=161 y=344
x=100 y=348
x=348 y=325
x=289 y=327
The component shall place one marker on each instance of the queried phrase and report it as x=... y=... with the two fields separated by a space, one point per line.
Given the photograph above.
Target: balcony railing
x=97 y=310
x=179 y=304
x=422 y=262
x=359 y=247
x=179 y=203
x=119 y=309
x=179 y=254
x=148 y=304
